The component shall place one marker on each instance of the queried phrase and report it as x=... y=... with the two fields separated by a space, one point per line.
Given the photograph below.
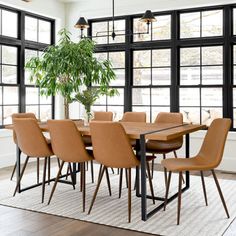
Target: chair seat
x=153 y=146
x=184 y=164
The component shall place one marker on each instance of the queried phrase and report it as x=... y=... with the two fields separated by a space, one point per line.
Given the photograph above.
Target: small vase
x=87 y=118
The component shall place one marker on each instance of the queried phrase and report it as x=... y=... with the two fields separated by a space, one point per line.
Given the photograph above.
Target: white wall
x=49 y=8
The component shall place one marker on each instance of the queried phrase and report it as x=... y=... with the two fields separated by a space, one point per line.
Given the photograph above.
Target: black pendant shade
x=82 y=23
x=148 y=17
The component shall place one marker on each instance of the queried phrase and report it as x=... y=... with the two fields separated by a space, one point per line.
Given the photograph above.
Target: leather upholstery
x=111 y=146
x=30 y=139
x=21 y=115
x=153 y=146
x=134 y=117
x=103 y=116
x=211 y=152
x=66 y=141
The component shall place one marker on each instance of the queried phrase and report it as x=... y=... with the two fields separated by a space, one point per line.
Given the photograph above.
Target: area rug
x=196 y=218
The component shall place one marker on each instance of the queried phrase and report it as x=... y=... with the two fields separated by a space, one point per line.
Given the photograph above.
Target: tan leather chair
x=31 y=142
x=23 y=115
x=208 y=158
x=134 y=117
x=162 y=147
x=112 y=148
x=67 y=144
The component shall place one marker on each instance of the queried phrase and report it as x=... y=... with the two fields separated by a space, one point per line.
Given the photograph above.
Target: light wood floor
x=16 y=222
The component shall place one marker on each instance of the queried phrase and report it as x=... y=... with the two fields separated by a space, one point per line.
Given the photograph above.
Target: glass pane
x=189 y=56
x=45 y=99
x=98 y=108
x=119 y=29
x=234 y=118
x=234 y=23
x=161 y=76
x=101 y=56
x=190 y=75
x=10 y=95
x=9 y=55
x=9 y=23
x=120 y=78
x=160 y=96
x=140 y=27
x=161 y=57
x=44 y=32
x=156 y=110
x=209 y=114
x=212 y=23
x=32 y=96
x=1 y=122
x=212 y=75
x=9 y=74
x=101 y=100
x=117 y=59
x=212 y=55
x=45 y=113
x=234 y=97
x=116 y=100
x=142 y=58
x=141 y=96
x=1 y=88
x=28 y=55
x=212 y=97
x=191 y=114
x=33 y=109
x=189 y=97
x=31 y=28
x=190 y=25
x=143 y=109
x=161 y=29
x=142 y=76
x=99 y=29
x=117 y=112
x=7 y=113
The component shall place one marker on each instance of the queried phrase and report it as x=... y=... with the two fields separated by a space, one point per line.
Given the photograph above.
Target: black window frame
x=21 y=43
x=227 y=40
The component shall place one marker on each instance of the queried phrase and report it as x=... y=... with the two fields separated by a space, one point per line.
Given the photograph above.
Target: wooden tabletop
x=164 y=132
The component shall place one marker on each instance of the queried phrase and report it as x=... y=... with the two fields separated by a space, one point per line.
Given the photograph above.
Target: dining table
x=141 y=132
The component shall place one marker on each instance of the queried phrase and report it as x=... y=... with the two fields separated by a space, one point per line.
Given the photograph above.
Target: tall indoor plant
x=67 y=67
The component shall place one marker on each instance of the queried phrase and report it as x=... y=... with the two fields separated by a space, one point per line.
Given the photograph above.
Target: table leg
x=187 y=148
x=18 y=153
x=137 y=180
x=143 y=178
x=74 y=170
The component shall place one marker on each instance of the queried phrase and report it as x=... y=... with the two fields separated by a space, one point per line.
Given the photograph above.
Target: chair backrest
x=103 y=116
x=214 y=142
x=111 y=146
x=21 y=115
x=66 y=141
x=169 y=117
x=30 y=139
x=134 y=117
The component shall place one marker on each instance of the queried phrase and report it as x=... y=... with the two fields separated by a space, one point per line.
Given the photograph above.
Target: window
x=116 y=103
x=17 y=94
x=185 y=64
x=159 y=30
x=201 y=24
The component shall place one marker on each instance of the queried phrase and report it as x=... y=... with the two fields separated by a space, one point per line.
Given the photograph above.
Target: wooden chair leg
x=71 y=175
x=220 y=193
x=67 y=172
x=108 y=181
x=13 y=171
x=86 y=165
x=120 y=183
x=97 y=188
x=153 y=167
x=49 y=170
x=38 y=170
x=112 y=170
x=204 y=188
x=83 y=184
x=58 y=162
x=22 y=172
x=167 y=190
x=118 y=170
x=126 y=177
x=56 y=181
x=150 y=181
x=81 y=177
x=92 y=172
x=100 y=171
x=165 y=171
x=129 y=195
x=44 y=177
x=179 y=197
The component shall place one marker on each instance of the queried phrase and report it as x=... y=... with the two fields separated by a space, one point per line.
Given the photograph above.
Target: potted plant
x=67 y=68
